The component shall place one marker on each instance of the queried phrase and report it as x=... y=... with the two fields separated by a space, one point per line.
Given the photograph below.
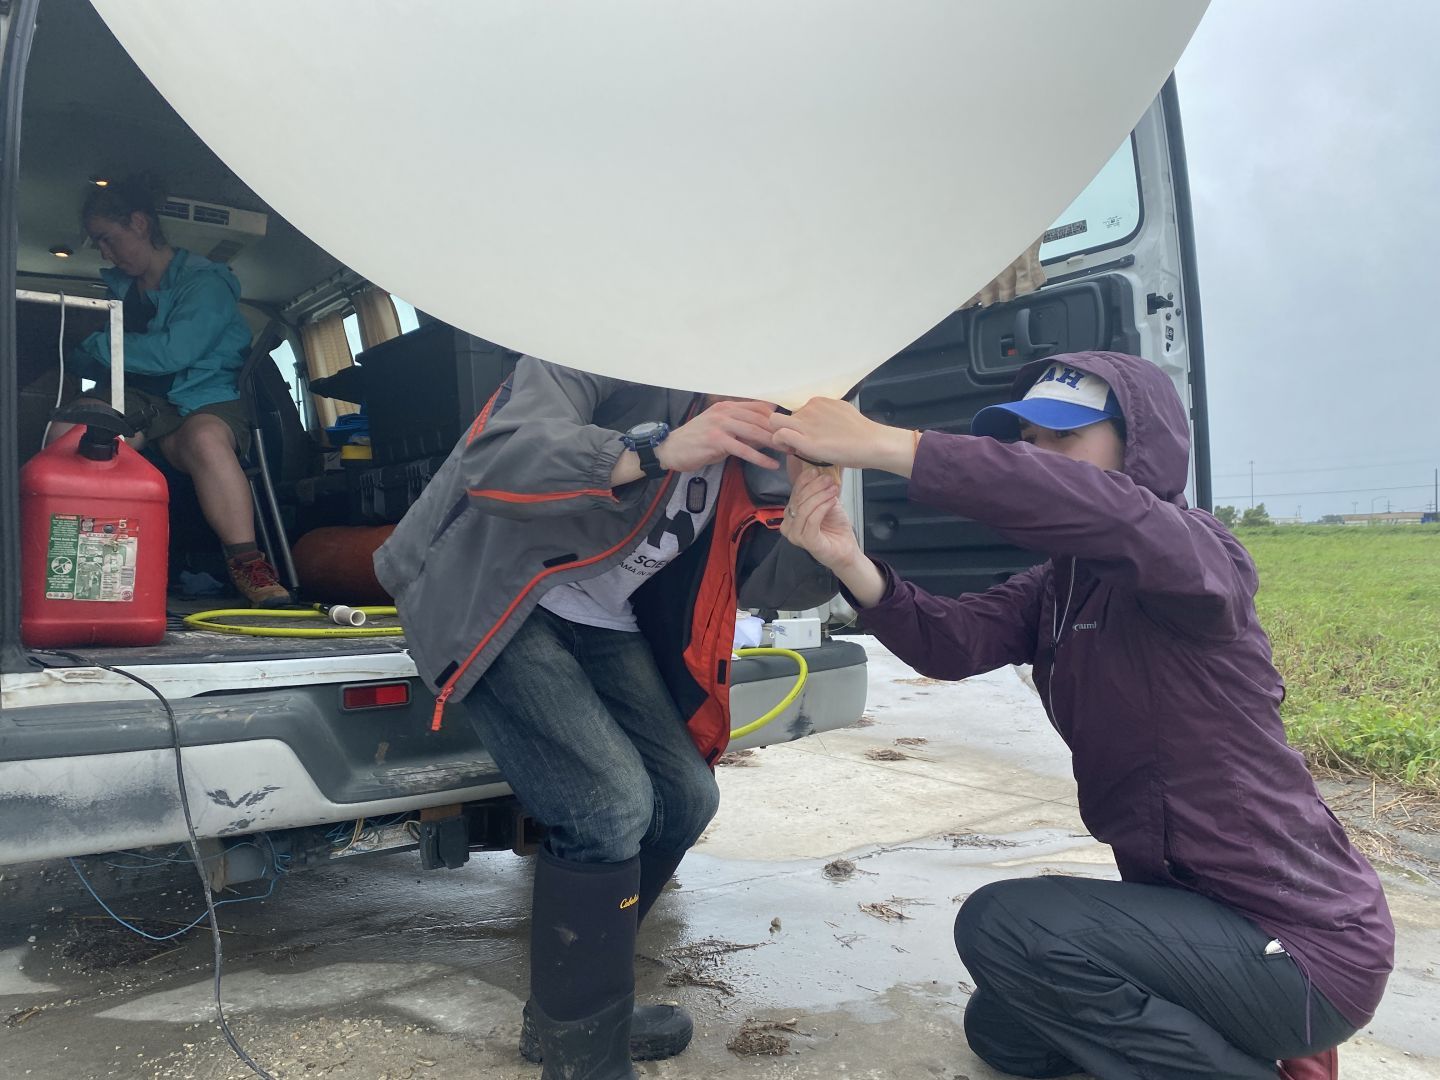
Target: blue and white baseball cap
x=1063 y=398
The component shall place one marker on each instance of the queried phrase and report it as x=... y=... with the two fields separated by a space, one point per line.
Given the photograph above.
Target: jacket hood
x=1157 y=443
x=184 y=264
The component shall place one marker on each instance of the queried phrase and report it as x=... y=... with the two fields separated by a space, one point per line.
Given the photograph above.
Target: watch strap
x=649 y=462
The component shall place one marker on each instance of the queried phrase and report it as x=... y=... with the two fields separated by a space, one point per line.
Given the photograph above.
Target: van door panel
x=940 y=382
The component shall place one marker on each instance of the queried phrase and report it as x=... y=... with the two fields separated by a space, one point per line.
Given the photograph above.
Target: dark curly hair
x=139 y=193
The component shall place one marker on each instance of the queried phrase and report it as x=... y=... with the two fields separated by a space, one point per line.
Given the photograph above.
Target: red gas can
x=94 y=544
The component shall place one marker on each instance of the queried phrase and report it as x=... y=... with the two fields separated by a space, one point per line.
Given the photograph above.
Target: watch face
x=647 y=430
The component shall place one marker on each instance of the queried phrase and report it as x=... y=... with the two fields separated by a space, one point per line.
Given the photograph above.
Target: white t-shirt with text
x=605 y=600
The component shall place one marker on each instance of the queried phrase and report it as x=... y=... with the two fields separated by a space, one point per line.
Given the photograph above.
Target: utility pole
x=1354 y=507
x=1252 y=485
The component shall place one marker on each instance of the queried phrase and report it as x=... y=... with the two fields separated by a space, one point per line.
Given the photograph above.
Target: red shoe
x=1324 y=1066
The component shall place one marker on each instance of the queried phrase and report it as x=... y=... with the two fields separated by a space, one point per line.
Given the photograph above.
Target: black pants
x=1131 y=982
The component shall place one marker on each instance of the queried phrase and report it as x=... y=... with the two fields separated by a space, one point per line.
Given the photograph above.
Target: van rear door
x=17 y=30
x=1121 y=277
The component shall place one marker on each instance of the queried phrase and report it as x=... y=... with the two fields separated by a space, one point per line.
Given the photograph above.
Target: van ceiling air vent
x=211 y=215
x=218 y=232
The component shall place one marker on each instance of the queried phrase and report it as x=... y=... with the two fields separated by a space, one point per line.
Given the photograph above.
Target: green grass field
x=1354 y=616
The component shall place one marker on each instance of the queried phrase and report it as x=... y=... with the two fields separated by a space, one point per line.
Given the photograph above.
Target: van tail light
x=387 y=695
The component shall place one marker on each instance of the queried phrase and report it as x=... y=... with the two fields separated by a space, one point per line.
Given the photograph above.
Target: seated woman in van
x=185 y=342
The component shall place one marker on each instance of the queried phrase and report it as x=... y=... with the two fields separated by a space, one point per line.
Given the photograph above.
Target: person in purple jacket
x=1246 y=937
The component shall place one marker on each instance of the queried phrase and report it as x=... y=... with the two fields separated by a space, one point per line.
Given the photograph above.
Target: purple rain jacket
x=1154 y=669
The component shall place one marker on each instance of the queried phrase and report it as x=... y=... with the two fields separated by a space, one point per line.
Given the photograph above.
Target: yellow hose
x=756 y=725
x=205 y=620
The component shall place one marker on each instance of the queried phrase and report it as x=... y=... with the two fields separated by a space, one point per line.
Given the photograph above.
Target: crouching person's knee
x=980 y=922
x=996 y=923
x=995 y=934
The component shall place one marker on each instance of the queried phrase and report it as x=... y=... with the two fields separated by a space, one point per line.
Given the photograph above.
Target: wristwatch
x=643 y=438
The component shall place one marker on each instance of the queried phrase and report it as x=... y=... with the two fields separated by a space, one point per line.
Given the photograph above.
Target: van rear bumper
x=54 y=807
x=94 y=776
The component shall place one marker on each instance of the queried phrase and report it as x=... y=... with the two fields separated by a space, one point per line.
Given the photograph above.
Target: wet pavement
x=813 y=920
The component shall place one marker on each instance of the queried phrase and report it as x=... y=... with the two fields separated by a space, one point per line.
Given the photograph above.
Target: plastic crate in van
x=422 y=389
x=382 y=494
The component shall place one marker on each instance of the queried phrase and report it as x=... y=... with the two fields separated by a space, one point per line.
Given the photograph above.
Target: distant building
x=1394 y=517
x=1287 y=521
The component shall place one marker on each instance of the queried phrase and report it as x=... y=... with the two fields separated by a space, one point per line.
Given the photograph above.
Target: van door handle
x=1026 y=348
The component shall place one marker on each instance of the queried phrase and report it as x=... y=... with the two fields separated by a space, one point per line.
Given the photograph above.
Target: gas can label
x=91 y=558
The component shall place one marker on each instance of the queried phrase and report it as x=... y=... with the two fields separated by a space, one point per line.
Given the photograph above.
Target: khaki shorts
x=155 y=417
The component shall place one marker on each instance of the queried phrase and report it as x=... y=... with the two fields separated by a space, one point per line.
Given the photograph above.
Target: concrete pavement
x=372 y=968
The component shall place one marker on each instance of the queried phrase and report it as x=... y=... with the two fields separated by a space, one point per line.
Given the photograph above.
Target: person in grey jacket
x=1247 y=937
x=569 y=579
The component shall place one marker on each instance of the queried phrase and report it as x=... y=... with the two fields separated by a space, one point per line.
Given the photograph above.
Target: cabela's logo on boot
x=629 y=901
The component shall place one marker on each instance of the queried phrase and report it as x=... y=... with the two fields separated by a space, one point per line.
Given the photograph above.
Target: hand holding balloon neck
x=836 y=430
x=818 y=464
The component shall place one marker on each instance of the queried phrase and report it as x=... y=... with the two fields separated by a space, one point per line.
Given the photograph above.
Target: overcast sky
x=1313 y=135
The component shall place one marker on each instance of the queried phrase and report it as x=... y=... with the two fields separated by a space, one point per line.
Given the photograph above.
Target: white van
x=314 y=742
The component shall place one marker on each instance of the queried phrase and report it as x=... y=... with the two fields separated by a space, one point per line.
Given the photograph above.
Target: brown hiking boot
x=256 y=581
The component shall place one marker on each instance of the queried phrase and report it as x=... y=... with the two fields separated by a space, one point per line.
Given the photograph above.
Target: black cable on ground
x=199 y=860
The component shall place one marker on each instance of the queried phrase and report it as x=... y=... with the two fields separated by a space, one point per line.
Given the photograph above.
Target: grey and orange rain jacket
x=524 y=504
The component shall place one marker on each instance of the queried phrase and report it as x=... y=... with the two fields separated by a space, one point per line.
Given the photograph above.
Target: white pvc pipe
x=67 y=300
x=117 y=356
x=345 y=616
x=117 y=333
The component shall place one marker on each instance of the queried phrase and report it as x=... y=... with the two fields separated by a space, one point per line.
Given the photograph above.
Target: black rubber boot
x=582 y=967
x=656 y=1032
x=593 y=1048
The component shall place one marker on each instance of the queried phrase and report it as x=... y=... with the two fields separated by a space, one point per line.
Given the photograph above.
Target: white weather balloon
x=749 y=197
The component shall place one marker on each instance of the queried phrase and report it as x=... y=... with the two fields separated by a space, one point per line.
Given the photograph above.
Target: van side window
x=286 y=361
x=408 y=319
x=352 y=333
x=1105 y=214
x=336 y=353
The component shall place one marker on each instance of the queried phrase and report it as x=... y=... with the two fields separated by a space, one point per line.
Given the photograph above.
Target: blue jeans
x=585 y=731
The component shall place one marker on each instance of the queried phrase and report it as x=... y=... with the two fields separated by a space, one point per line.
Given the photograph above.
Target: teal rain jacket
x=197 y=334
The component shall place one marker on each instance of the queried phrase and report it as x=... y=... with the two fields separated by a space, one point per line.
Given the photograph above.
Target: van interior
x=355 y=398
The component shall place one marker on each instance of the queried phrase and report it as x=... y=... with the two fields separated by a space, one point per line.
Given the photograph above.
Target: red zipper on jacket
x=449 y=687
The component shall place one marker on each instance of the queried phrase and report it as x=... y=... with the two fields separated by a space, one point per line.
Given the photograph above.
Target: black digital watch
x=643 y=438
